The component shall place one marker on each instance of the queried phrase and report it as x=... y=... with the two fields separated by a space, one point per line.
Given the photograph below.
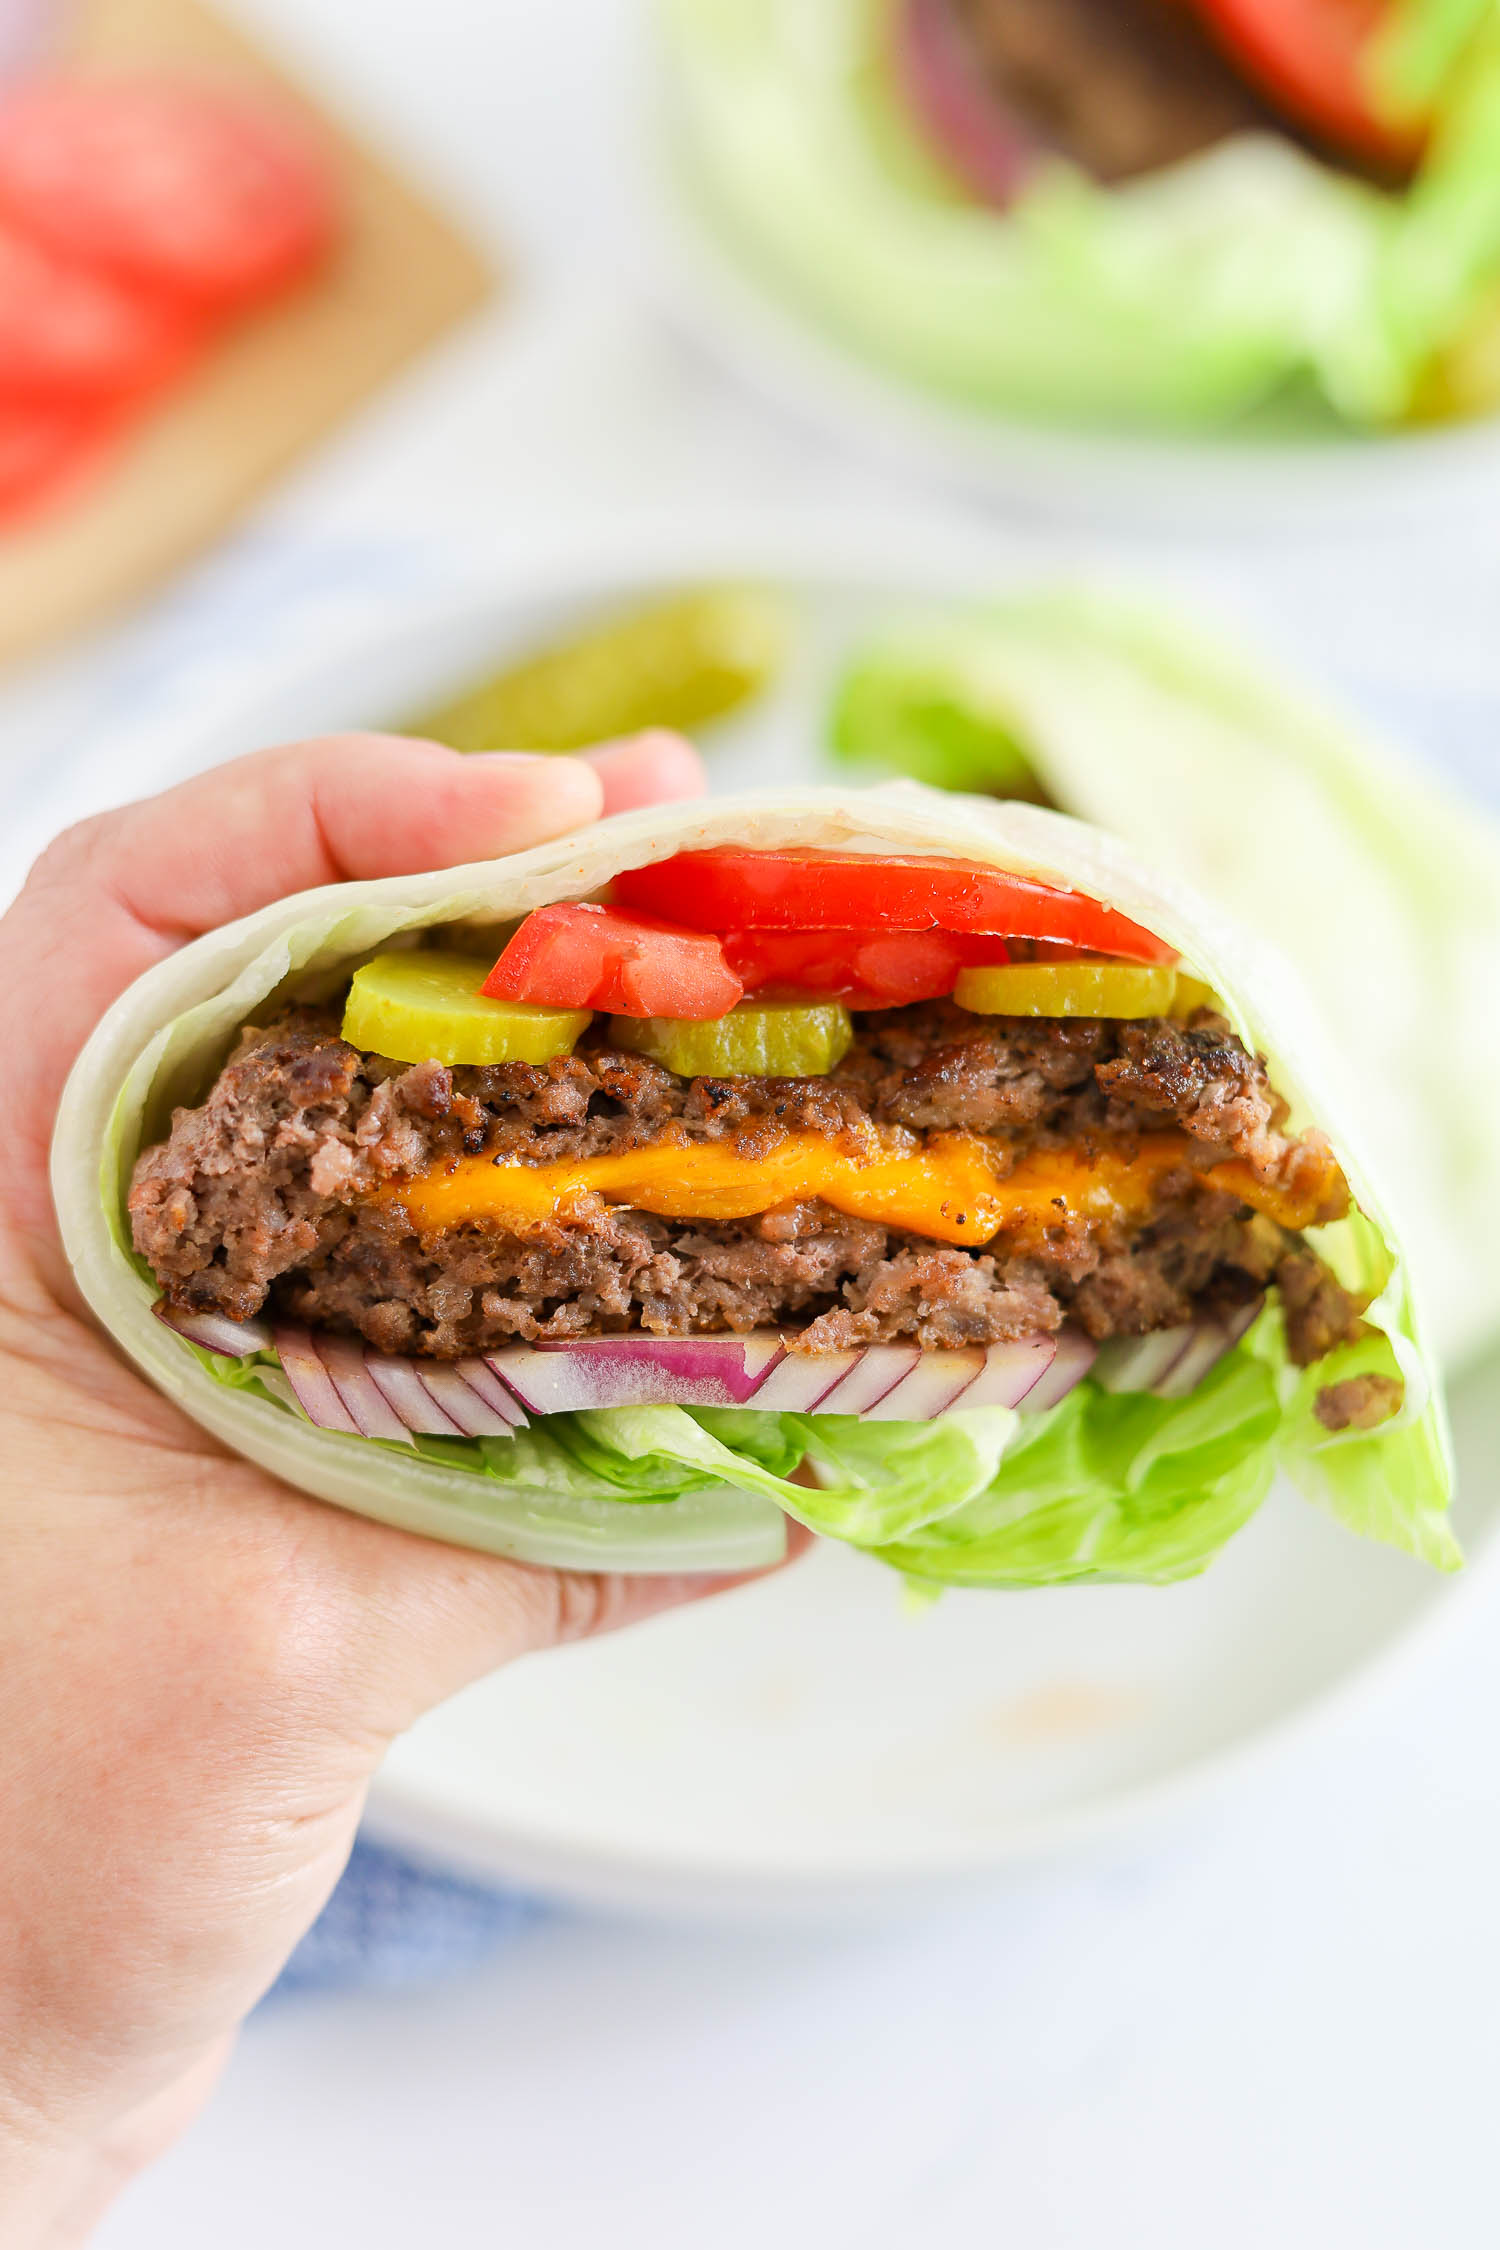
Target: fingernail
x=552 y=793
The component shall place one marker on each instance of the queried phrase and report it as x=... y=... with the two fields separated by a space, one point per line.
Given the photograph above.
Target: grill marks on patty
x=256 y=1193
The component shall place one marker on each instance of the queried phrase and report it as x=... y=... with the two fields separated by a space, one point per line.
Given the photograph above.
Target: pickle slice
x=1192 y=994
x=1067 y=988
x=683 y=661
x=427 y=1007
x=758 y=1039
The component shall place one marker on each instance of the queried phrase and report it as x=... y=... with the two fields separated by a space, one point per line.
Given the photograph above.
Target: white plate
x=810 y=1744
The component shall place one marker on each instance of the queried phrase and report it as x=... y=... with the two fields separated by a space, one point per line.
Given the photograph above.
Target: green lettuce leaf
x=1421 y=53
x=1102 y=1488
x=1251 y=274
x=1444 y=259
x=1106 y=1488
x=1125 y=717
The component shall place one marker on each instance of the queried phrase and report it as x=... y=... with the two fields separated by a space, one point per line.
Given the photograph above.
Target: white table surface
x=1278 y=2025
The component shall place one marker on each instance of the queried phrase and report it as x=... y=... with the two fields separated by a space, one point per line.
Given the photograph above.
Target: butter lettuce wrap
x=1250 y=276
x=1080 y=1481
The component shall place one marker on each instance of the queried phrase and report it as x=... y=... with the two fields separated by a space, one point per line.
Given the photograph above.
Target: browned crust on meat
x=1320 y=1313
x=258 y=1193
x=1360 y=1402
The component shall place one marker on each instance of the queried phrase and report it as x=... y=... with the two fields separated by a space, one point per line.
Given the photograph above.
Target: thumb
x=420 y=1620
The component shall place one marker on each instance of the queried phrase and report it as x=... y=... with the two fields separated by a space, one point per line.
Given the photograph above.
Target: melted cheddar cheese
x=949 y=1190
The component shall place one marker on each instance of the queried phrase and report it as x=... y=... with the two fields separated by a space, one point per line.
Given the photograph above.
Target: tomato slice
x=597 y=957
x=886 y=971
x=41 y=445
x=68 y=334
x=211 y=198
x=1308 y=56
x=742 y=890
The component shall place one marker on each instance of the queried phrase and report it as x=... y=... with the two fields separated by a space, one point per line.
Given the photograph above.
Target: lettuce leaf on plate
x=1249 y=275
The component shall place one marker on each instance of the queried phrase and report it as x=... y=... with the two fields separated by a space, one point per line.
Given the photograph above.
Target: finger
x=363 y=1625
x=647 y=769
x=419 y=1620
x=113 y=896
x=348 y=807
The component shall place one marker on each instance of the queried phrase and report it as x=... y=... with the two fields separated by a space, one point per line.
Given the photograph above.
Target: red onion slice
x=341 y=1386
x=373 y=1414
x=1071 y=1361
x=1239 y=1324
x=492 y=1391
x=215 y=1332
x=404 y=1390
x=799 y=1383
x=1011 y=1373
x=939 y=1380
x=311 y=1381
x=473 y=1414
x=602 y=1371
x=1212 y=1339
x=990 y=149
x=1139 y=1363
x=880 y=1368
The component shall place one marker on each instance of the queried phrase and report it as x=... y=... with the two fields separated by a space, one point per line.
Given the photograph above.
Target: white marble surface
x=1275 y=2025
x=1279 y=2025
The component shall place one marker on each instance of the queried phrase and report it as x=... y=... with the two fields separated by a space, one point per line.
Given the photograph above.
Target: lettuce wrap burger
x=1150 y=212
x=913 y=1164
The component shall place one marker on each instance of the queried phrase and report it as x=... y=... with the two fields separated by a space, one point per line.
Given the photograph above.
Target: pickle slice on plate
x=685 y=660
x=427 y=1007
x=1067 y=988
x=758 y=1039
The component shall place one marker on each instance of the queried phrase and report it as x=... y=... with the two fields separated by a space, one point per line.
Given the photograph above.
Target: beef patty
x=1121 y=87
x=259 y=1194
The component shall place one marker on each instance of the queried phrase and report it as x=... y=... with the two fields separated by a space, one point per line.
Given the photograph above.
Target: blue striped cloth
x=392 y=1922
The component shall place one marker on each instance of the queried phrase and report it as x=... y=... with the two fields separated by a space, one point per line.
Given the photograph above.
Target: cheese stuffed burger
x=913 y=1165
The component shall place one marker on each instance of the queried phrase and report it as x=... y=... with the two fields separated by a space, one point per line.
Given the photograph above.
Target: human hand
x=199 y=1668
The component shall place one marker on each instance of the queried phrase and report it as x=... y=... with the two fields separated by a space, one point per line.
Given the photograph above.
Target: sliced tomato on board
x=888 y=970
x=205 y=196
x=41 y=447
x=68 y=334
x=1310 y=58
x=743 y=890
x=597 y=957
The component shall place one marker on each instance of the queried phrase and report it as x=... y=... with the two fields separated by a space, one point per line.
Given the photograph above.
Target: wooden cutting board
x=400 y=277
